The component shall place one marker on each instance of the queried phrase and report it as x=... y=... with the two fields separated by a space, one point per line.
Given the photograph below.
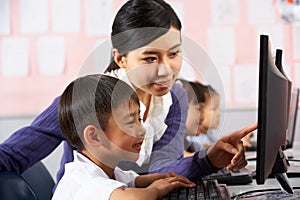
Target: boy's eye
x=130 y=122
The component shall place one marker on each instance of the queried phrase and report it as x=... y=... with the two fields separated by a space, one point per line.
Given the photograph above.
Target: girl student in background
x=203 y=116
x=99 y=115
x=147 y=47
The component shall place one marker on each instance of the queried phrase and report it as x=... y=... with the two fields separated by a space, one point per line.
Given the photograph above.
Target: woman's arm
x=168 y=151
x=32 y=143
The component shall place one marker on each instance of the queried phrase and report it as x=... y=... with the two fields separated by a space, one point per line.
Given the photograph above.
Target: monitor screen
x=272 y=114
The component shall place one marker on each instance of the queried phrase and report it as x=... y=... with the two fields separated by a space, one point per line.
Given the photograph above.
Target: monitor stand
x=279 y=172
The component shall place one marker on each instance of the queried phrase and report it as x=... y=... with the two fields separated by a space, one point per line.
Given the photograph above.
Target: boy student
x=146 y=51
x=100 y=116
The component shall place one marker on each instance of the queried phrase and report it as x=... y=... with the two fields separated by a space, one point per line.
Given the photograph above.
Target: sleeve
x=168 y=151
x=32 y=143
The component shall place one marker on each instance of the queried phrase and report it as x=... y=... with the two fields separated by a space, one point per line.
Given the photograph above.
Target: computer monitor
x=292 y=119
x=278 y=63
x=272 y=119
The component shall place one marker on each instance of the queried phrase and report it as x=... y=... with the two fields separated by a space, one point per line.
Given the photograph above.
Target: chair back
x=14 y=187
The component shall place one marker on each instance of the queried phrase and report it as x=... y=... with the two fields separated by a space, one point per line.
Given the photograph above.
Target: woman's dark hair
x=196 y=91
x=138 y=23
x=89 y=100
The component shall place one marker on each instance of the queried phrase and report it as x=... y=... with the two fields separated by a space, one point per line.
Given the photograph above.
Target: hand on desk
x=229 y=150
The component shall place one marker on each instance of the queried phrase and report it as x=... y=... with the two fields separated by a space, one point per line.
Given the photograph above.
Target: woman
x=149 y=59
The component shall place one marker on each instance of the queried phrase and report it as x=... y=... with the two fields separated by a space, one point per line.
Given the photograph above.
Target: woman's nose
x=164 y=68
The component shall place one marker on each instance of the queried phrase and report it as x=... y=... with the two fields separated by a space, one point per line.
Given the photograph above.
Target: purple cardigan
x=32 y=143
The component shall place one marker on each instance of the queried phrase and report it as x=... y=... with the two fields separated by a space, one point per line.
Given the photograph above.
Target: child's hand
x=166 y=185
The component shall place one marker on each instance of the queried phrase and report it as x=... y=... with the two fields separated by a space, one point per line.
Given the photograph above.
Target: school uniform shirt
x=83 y=179
x=34 y=142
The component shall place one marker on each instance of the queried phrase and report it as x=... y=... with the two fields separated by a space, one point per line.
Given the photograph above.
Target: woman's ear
x=119 y=59
x=91 y=135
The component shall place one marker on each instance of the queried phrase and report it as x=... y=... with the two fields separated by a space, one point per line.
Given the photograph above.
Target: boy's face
x=211 y=114
x=125 y=131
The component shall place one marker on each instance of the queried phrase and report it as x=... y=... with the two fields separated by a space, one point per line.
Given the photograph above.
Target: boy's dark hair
x=138 y=23
x=197 y=92
x=89 y=100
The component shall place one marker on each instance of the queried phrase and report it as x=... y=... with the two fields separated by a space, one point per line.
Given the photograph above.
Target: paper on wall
x=33 y=16
x=261 y=12
x=65 y=16
x=51 y=55
x=4 y=17
x=225 y=12
x=221 y=45
x=296 y=40
x=14 y=57
x=246 y=84
x=99 y=17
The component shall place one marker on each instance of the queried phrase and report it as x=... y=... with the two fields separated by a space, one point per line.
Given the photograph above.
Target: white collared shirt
x=155 y=123
x=83 y=179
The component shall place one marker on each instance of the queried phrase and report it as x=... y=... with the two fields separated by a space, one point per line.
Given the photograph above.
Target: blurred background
x=43 y=44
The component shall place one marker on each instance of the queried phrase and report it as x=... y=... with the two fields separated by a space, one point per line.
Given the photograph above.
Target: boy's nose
x=140 y=132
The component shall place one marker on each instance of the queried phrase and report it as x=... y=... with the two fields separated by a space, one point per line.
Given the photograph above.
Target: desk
x=270 y=183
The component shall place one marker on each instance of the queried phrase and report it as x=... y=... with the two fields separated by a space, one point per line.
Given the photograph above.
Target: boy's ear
x=91 y=135
x=119 y=59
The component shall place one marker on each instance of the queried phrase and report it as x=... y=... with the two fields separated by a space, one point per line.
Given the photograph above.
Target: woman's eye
x=174 y=54
x=150 y=59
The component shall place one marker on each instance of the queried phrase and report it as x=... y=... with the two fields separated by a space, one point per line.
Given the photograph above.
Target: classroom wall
x=43 y=44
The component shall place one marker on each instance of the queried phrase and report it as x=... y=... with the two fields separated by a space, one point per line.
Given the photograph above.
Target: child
x=203 y=114
x=99 y=115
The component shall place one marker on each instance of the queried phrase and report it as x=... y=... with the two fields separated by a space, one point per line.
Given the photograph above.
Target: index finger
x=245 y=131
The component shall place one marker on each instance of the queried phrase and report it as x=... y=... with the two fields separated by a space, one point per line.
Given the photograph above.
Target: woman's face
x=153 y=68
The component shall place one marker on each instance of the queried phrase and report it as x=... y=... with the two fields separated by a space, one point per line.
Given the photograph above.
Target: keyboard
x=232 y=177
x=269 y=194
x=205 y=190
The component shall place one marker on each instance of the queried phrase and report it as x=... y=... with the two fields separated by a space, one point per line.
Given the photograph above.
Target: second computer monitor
x=272 y=112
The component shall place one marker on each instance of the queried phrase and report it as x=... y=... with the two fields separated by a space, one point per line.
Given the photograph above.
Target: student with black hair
x=99 y=116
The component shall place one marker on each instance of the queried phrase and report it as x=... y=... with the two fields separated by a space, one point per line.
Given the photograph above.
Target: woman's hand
x=229 y=151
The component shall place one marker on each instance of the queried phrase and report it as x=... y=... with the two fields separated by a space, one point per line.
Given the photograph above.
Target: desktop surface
x=271 y=183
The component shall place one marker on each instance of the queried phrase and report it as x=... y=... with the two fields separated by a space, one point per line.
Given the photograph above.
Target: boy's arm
x=146 y=180
x=30 y=144
x=159 y=187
